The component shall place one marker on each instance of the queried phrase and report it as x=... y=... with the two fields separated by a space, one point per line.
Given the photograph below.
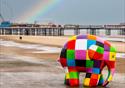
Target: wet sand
x=22 y=68
x=55 y=40
x=120 y=62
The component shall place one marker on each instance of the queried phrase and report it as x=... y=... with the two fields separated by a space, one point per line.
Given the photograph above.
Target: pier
x=60 y=30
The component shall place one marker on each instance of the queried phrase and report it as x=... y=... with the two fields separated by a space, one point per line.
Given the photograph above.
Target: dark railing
x=48 y=30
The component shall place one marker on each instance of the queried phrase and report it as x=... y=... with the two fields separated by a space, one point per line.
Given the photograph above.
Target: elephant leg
x=91 y=79
x=74 y=79
x=101 y=80
x=71 y=77
x=66 y=79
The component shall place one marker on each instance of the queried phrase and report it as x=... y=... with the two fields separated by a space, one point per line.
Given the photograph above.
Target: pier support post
x=108 y=32
x=0 y=31
x=4 y=31
x=76 y=31
x=12 y=31
x=17 y=31
x=35 y=30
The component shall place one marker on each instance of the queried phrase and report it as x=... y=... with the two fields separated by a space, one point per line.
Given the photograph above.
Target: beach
x=37 y=36
x=25 y=64
x=57 y=41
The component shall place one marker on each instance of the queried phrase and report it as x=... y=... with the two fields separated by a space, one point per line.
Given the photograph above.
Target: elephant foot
x=74 y=82
x=66 y=81
x=91 y=79
x=101 y=81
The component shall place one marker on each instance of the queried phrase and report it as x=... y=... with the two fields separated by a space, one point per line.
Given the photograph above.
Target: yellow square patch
x=99 y=77
x=72 y=38
x=87 y=56
x=112 y=56
x=86 y=81
x=67 y=76
x=110 y=78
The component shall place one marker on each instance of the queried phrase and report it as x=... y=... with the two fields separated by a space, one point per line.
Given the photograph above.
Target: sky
x=64 y=11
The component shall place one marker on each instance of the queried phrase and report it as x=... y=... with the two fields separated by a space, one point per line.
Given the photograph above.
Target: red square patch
x=91 y=53
x=107 y=43
x=63 y=62
x=81 y=69
x=93 y=82
x=111 y=64
x=71 y=45
x=72 y=69
x=94 y=76
x=97 y=56
x=74 y=82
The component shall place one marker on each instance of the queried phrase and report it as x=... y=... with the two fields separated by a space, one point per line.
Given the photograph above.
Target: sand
x=22 y=68
x=57 y=41
x=48 y=56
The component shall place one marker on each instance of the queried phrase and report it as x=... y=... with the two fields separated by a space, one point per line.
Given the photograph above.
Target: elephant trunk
x=111 y=70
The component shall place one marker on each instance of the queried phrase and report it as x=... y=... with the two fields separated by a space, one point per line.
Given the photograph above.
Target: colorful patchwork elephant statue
x=90 y=54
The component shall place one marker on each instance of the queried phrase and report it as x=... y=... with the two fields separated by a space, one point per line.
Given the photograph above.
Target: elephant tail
x=111 y=70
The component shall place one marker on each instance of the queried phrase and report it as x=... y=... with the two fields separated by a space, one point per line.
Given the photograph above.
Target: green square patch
x=100 y=50
x=70 y=54
x=89 y=63
x=112 y=49
x=73 y=75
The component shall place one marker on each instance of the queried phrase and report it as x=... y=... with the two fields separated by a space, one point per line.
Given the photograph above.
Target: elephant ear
x=95 y=52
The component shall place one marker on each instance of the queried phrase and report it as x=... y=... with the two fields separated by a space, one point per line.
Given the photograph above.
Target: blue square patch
x=70 y=62
x=90 y=42
x=96 y=70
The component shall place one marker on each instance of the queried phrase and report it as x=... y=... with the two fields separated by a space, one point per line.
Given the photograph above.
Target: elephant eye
x=113 y=56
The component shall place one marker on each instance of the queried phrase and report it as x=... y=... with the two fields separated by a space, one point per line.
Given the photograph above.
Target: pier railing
x=65 y=30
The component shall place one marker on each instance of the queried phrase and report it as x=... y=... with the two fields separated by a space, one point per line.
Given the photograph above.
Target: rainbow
x=39 y=10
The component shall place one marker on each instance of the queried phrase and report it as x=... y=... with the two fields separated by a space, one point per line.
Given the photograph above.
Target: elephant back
x=83 y=47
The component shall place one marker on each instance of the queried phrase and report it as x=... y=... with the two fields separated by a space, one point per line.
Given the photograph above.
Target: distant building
x=5 y=24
